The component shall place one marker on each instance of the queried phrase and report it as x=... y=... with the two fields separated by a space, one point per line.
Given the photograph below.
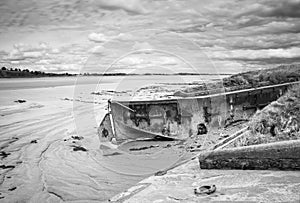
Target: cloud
x=233 y=32
x=142 y=46
x=169 y=61
x=34 y=54
x=31 y=48
x=258 y=55
x=132 y=60
x=246 y=21
x=23 y=51
x=267 y=41
x=195 y=28
x=97 y=50
x=124 y=37
x=71 y=68
x=269 y=61
x=131 y=6
x=98 y=37
x=102 y=38
x=278 y=9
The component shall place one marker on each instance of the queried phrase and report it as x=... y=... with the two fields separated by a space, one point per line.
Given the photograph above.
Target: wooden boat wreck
x=179 y=118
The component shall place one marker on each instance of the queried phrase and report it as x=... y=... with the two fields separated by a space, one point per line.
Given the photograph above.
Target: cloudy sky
x=223 y=36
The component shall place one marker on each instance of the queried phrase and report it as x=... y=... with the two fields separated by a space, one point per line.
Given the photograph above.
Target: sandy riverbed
x=48 y=156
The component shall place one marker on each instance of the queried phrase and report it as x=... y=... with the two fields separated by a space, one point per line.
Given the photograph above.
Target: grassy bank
x=245 y=80
x=276 y=122
x=273 y=76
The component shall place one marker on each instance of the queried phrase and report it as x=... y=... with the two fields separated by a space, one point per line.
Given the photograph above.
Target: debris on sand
x=205 y=189
x=77 y=137
x=4 y=154
x=143 y=148
x=6 y=167
x=160 y=173
x=33 y=141
x=168 y=146
x=13 y=188
x=79 y=148
x=20 y=101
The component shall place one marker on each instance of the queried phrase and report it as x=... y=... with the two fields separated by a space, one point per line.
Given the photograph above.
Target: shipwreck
x=180 y=118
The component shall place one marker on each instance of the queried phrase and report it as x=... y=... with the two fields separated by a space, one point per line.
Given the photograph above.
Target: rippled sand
x=45 y=157
x=41 y=164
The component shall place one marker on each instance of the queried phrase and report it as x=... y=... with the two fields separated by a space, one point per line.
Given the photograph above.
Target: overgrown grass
x=276 y=122
x=251 y=79
x=278 y=75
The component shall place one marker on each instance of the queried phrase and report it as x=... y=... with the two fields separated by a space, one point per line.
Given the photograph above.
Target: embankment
x=280 y=155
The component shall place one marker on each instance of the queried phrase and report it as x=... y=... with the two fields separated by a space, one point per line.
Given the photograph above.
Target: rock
x=4 y=154
x=77 y=137
x=6 y=167
x=79 y=148
x=13 y=188
x=20 y=101
x=33 y=141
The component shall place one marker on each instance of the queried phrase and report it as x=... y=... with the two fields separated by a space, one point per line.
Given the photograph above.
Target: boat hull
x=180 y=118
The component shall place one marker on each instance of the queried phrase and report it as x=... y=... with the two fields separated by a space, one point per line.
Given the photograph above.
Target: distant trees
x=14 y=69
x=26 y=73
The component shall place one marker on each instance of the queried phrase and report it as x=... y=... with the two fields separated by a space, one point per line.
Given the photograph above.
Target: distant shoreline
x=22 y=74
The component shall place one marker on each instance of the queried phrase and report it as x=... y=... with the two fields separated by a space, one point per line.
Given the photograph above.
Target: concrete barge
x=182 y=117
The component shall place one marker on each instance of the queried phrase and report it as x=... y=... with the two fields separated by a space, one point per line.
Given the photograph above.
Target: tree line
x=17 y=72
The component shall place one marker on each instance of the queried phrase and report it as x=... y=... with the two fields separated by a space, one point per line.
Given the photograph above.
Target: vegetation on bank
x=278 y=121
x=246 y=80
x=273 y=76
